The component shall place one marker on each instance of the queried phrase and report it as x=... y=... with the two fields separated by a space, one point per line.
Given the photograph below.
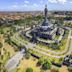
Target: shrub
x=27 y=56
x=47 y=64
x=70 y=68
x=1 y=45
x=41 y=61
x=29 y=70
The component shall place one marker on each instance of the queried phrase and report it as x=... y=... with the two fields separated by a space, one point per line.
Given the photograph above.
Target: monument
x=45 y=31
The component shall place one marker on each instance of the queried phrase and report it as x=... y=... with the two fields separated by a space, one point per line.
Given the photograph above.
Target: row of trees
x=28 y=21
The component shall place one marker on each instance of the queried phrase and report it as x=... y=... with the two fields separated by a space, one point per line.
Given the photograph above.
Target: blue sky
x=34 y=5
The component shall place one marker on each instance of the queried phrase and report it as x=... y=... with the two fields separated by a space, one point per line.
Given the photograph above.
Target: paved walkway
x=13 y=62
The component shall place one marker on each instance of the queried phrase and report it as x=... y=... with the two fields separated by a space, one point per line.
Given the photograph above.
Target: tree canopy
x=29 y=70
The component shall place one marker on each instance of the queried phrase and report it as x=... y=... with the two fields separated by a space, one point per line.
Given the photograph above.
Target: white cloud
x=19 y=5
x=62 y=1
x=26 y=2
x=14 y=6
x=58 y=1
x=35 y=5
x=24 y=5
x=52 y=1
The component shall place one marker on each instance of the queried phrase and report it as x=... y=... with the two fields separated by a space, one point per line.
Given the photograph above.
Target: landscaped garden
x=21 y=40
x=13 y=40
x=34 y=65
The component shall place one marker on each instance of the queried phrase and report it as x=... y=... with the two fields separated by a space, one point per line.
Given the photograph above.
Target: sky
x=34 y=5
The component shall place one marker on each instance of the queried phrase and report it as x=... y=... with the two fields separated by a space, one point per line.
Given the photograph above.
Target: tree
x=61 y=21
x=29 y=70
x=1 y=45
x=27 y=55
x=1 y=31
x=61 y=59
x=8 y=40
x=41 y=61
x=8 y=55
x=47 y=64
x=70 y=68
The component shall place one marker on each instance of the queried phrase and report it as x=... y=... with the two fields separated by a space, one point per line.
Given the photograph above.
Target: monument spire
x=45 y=22
x=46 y=10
